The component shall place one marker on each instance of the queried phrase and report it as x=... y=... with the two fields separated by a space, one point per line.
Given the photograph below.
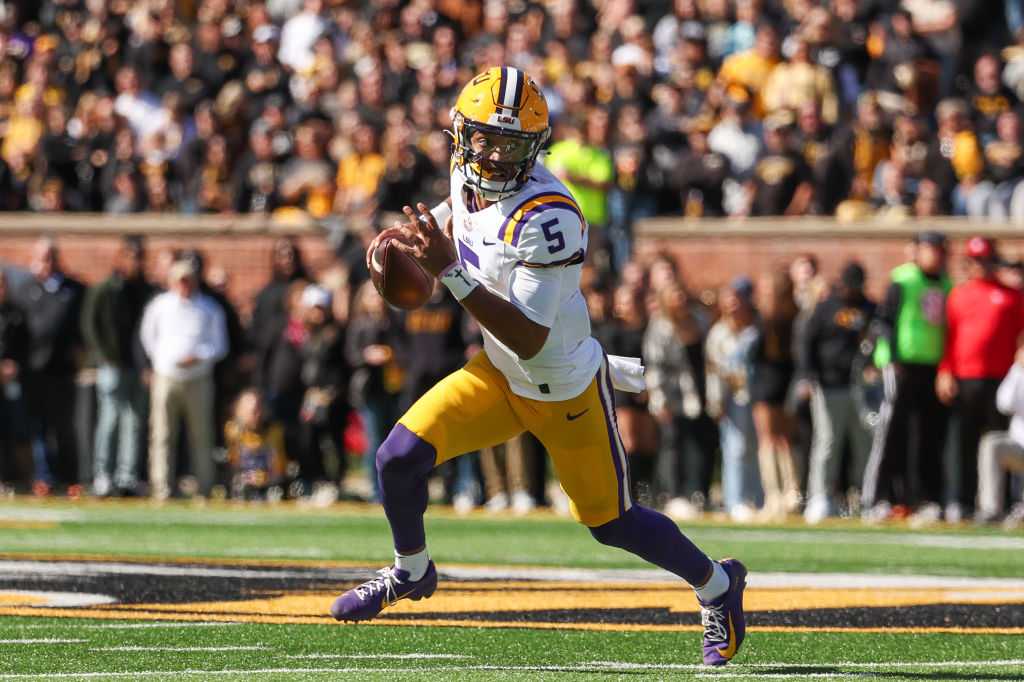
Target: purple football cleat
x=391 y=584
x=724 y=626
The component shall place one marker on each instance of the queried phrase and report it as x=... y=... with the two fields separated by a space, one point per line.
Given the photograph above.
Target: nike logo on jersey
x=487 y=243
x=573 y=417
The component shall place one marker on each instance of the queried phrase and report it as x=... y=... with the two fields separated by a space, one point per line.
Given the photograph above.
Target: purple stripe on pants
x=608 y=407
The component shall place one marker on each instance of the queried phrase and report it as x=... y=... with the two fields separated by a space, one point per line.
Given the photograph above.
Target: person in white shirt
x=1003 y=451
x=299 y=34
x=184 y=334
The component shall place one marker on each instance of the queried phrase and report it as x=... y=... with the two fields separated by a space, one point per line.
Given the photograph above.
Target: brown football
x=399 y=278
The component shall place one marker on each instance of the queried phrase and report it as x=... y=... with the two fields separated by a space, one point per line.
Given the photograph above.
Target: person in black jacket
x=269 y=315
x=324 y=374
x=830 y=343
x=14 y=350
x=53 y=303
x=376 y=379
x=110 y=321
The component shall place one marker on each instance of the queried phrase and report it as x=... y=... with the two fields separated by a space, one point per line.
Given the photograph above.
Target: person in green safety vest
x=911 y=324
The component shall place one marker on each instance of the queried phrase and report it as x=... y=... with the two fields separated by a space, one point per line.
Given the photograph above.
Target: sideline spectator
x=729 y=347
x=256 y=453
x=673 y=353
x=111 y=317
x=770 y=380
x=911 y=325
x=324 y=375
x=985 y=321
x=376 y=377
x=14 y=354
x=1002 y=452
x=269 y=314
x=184 y=334
x=52 y=301
x=830 y=343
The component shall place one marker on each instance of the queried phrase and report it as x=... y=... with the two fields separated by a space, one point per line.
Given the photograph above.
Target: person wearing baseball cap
x=910 y=331
x=828 y=346
x=985 y=322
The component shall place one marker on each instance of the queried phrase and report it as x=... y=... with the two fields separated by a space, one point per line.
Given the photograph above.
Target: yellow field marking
x=11 y=524
x=15 y=599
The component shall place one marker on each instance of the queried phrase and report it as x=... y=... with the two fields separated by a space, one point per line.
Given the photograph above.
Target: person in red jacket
x=985 y=322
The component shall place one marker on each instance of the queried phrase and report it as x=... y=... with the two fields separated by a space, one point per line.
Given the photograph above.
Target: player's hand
x=428 y=244
x=397 y=231
x=946 y=387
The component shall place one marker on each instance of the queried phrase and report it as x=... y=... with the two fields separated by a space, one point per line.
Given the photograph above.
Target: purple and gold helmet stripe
x=510 y=88
x=513 y=225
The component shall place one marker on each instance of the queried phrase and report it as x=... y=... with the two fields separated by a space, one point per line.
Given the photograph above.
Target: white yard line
x=42 y=640
x=741 y=670
x=183 y=649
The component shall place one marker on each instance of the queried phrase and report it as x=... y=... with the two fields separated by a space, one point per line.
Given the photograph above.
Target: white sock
x=716 y=586
x=415 y=564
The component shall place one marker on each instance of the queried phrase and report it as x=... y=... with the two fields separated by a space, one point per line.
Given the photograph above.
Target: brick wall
x=709 y=252
x=246 y=257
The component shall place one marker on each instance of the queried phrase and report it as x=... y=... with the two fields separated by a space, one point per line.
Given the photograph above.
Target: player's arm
x=435 y=251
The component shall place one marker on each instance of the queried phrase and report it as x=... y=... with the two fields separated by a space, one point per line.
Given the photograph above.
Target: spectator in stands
x=829 y=344
x=673 y=354
x=15 y=345
x=911 y=330
x=729 y=346
x=798 y=82
x=53 y=302
x=360 y=172
x=184 y=334
x=701 y=173
x=256 y=453
x=111 y=316
x=988 y=97
x=752 y=67
x=1004 y=168
x=985 y=321
x=781 y=183
x=506 y=477
x=581 y=160
x=960 y=145
x=306 y=180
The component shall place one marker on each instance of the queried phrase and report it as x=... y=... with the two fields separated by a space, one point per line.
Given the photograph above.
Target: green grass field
x=128 y=591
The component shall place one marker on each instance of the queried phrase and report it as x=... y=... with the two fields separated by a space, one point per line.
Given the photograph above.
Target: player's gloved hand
x=431 y=246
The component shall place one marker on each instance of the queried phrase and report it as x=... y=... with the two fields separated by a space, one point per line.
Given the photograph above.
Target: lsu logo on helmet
x=500 y=123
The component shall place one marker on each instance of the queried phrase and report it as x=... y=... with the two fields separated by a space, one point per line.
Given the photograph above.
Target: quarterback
x=509 y=244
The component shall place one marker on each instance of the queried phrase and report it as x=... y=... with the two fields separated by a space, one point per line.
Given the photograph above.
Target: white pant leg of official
x=997 y=454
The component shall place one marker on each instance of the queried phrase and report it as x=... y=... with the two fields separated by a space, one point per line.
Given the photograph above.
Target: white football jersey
x=528 y=249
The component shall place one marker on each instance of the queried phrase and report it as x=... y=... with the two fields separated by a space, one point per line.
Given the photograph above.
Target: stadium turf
x=177 y=591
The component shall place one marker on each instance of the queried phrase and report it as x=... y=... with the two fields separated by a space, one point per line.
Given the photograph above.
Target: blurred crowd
x=786 y=395
x=333 y=109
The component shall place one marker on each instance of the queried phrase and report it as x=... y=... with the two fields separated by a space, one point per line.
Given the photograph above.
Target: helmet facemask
x=495 y=161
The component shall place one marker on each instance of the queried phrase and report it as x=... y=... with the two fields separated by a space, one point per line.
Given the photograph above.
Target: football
x=399 y=278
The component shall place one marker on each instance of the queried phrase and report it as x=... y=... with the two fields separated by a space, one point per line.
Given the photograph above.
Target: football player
x=509 y=244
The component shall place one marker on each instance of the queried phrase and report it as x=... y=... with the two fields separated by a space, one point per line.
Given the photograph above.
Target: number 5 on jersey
x=553 y=235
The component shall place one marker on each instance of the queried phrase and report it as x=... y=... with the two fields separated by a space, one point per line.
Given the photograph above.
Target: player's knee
x=615 y=533
x=404 y=454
